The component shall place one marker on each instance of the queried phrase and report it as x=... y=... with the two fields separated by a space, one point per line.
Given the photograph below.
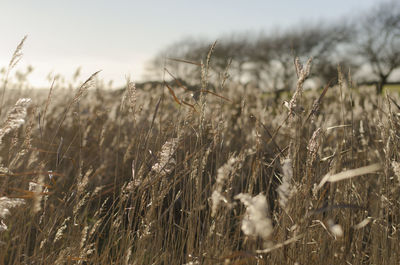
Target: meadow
x=155 y=175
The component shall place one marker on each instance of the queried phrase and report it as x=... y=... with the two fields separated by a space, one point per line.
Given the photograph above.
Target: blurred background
x=69 y=40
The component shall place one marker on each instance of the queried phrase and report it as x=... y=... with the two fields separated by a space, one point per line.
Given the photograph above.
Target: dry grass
x=132 y=177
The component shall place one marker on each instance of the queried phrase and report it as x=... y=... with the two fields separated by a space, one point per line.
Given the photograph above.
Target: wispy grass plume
x=15 y=118
x=255 y=220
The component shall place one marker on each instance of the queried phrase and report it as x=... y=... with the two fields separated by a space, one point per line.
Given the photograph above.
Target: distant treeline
x=365 y=46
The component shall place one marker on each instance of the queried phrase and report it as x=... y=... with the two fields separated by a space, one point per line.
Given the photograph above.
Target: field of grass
x=150 y=175
x=392 y=88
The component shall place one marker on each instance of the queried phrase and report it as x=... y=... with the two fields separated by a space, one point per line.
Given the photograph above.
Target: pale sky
x=119 y=36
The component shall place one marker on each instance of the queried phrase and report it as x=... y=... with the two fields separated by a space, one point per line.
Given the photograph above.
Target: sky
x=120 y=36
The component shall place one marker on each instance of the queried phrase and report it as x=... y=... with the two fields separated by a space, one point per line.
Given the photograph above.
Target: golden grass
x=112 y=177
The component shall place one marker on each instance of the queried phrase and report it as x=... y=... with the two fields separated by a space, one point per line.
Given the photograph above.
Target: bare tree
x=378 y=41
x=187 y=49
x=276 y=52
x=234 y=48
x=266 y=59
